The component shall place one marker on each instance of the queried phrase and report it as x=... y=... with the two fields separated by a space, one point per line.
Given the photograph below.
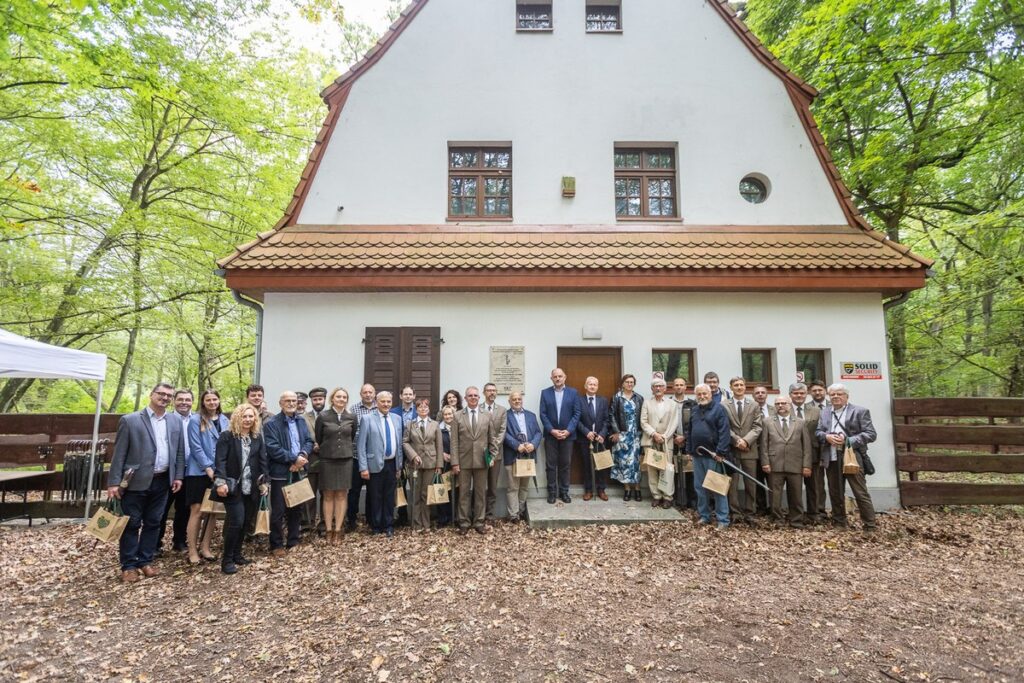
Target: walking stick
x=705 y=452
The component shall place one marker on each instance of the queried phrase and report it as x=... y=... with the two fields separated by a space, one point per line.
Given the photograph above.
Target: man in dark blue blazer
x=560 y=415
x=593 y=430
x=288 y=447
x=521 y=440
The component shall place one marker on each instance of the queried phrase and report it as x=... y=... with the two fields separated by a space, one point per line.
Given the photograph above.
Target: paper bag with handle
x=108 y=523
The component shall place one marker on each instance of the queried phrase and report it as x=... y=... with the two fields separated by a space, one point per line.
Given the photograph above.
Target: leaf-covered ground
x=932 y=596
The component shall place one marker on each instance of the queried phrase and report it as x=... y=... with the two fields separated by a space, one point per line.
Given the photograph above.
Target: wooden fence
x=959 y=435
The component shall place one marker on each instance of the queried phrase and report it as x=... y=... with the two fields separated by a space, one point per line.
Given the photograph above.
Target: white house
x=605 y=185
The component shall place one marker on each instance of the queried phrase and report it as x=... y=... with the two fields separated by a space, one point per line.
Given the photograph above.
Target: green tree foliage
x=922 y=104
x=137 y=142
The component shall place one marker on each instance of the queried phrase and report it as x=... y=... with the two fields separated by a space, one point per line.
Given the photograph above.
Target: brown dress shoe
x=667 y=504
x=602 y=495
x=130 y=575
x=588 y=495
x=277 y=552
x=149 y=571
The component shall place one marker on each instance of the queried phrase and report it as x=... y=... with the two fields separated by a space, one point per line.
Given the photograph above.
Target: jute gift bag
x=448 y=479
x=655 y=458
x=850 y=464
x=209 y=505
x=524 y=467
x=437 y=494
x=717 y=482
x=263 y=516
x=400 y=501
x=297 y=492
x=602 y=458
x=667 y=480
x=108 y=523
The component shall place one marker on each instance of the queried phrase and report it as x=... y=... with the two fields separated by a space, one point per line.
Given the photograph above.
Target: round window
x=754 y=189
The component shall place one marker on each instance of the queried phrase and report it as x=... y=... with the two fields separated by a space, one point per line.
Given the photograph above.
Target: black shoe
x=551 y=499
x=565 y=498
x=390 y=533
x=180 y=547
x=636 y=495
x=229 y=569
x=627 y=495
x=242 y=561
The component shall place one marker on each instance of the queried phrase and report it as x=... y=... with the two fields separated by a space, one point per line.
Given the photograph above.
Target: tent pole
x=95 y=438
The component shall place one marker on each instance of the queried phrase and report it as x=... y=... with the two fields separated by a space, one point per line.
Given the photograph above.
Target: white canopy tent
x=21 y=357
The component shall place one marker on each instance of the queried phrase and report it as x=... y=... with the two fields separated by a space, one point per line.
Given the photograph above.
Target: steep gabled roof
x=801 y=95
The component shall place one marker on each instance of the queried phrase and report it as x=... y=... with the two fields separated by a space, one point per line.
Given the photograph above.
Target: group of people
x=164 y=458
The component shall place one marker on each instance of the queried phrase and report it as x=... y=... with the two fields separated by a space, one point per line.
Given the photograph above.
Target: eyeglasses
x=163 y=394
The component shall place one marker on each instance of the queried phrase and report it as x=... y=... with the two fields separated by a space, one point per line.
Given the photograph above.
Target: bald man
x=560 y=416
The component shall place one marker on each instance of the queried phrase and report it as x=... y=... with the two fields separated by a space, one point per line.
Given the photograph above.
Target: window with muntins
x=604 y=17
x=674 y=363
x=534 y=16
x=757 y=367
x=480 y=182
x=645 y=183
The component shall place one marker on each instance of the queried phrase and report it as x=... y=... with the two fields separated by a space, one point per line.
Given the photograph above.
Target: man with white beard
x=708 y=427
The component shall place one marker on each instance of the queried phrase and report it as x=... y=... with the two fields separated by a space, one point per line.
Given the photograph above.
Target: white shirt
x=520 y=421
x=184 y=431
x=558 y=402
x=159 y=424
x=841 y=417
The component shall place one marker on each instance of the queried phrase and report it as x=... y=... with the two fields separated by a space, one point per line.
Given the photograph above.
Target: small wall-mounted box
x=568 y=186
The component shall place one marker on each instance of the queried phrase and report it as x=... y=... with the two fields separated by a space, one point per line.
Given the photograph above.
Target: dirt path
x=931 y=597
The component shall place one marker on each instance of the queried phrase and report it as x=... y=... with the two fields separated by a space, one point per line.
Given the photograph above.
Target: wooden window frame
x=691 y=380
x=772 y=381
x=551 y=13
x=592 y=5
x=480 y=173
x=645 y=174
x=822 y=355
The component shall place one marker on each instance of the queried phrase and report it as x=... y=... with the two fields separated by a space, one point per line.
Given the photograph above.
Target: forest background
x=141 y=139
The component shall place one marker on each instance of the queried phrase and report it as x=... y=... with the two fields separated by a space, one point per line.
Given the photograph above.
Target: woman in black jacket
x=241 y=470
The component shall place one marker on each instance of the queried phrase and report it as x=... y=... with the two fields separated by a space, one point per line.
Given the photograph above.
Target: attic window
x=604 y=17
x=534 y=16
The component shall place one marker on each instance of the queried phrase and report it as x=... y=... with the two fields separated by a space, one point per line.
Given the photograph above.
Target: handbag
x=437 y=494
x=108 y=523
x=232 y=485
x=850 y=464
x=655 y=458
x=524 y=467
x=869 y=467
x=448 y=480
x=717 y=482
x=667 y=480
x=602 y=458
x=297 y=492
x=210 y=505
x=400 y=501
x=263 y=516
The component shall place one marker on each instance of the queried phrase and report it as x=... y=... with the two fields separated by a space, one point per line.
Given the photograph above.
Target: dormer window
x=534 y=16
x=604 y=16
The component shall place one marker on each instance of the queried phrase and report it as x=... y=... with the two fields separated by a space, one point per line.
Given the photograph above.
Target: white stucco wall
x=316 y=339
x=461 y=73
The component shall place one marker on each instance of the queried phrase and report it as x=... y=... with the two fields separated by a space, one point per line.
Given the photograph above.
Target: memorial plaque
x=508 y=368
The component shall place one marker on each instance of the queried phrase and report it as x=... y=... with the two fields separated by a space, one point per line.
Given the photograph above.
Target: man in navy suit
x=379 y=449
x=288 y=448
x=560 y=415
x=593 y=430
x=521 y=440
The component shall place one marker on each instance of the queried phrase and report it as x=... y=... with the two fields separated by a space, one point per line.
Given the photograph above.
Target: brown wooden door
x=580 y=362
x=396 y=356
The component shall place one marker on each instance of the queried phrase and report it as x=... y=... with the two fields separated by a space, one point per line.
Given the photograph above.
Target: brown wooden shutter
x=381 y=366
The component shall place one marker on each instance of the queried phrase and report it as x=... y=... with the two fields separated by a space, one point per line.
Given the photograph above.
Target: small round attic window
x=754 y=188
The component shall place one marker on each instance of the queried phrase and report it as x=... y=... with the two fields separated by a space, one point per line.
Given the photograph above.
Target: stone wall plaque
x=508 y=368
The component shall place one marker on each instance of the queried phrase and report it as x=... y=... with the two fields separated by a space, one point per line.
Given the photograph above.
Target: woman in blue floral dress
x=625 y=433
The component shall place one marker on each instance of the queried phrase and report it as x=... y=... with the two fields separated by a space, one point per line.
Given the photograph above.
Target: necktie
x=422 y=426
x=800 y=412
x=387 y=436
x=591 y=399
x=739 y=409
x=472 y=419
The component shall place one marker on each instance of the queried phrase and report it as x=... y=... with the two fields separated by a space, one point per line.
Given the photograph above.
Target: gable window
x=645 y=183
x=480 y=182
x=758 y=367
x=534 y=16
x=604 y=17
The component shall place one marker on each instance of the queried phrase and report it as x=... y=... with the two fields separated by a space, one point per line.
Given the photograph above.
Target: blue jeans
x=145 y=510
x=701 y=465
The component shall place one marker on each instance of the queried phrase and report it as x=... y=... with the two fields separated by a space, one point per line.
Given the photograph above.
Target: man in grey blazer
x=745 y=433
x=379 y=448
x=786 y=459
x=839 y=422
x=147 y=466
x=472 y=436
x=498 y=418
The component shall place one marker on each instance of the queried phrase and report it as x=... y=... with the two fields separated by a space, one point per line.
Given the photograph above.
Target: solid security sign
x=860 y=370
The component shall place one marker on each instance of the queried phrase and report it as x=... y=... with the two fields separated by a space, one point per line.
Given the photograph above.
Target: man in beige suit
x=745 y=432
x=424 y=451
x=786 y=459
x=471 y=435
x=498 y=416
x=815 y=484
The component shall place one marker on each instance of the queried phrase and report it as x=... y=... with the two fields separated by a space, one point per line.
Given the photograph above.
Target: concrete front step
x=596 y=511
